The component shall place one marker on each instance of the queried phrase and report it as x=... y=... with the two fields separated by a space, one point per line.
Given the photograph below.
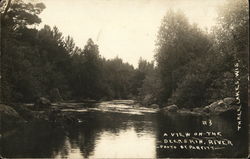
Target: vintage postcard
x=124 y=79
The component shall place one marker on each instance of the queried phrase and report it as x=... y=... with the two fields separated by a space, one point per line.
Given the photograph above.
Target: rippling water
x=115 y=129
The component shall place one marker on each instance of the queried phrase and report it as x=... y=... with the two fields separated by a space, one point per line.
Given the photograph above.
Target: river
x=114 y=129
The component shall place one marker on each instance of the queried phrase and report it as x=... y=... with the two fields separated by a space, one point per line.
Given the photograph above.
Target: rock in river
x=171 y=108
x=42 y=103
x=155 y=106
x=8 y=114
x=229 y=101
x=222 y=106
x=226 y=106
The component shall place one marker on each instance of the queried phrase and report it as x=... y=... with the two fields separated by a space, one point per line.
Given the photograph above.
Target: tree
x=16 y=16
x=19 y=14
x=87 y=72
x=117 y=78
x=69 y=45
x=151 y=88
x=144 y=68
x=178 y=44
x=231 y=35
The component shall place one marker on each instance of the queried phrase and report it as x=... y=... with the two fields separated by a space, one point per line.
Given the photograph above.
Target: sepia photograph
x=124 y=79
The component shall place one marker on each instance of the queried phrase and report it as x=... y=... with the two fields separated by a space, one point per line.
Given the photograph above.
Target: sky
x=123 y=28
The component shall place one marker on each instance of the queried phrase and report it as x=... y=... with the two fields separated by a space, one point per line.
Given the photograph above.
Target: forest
x=192 y=67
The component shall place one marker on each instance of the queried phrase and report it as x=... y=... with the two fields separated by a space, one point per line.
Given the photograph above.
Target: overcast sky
x=123 y=28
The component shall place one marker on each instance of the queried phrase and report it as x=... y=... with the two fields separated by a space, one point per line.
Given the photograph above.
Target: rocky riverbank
x=42 y=110
x=225 y=107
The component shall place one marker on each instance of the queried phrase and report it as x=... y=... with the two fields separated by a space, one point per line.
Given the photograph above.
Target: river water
x=115 y=129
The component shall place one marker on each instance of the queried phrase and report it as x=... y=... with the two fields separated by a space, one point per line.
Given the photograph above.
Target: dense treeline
x=193 y=67
x=196 y=67
x=34 y=62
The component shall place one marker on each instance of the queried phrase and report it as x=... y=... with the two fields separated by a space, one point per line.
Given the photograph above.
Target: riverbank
x=224 y=107
x=66 y=112
x=13 y=114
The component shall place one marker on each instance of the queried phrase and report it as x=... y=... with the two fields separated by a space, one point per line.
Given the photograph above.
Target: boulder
x=42 y=103
x=8 y=114
x=24 y=112
x=221 y=106
x=225 y=107
x=229 y=101
x=206 y=110
x=215 y=104
x=147 y=100
x=171 y=108
x=156 y=106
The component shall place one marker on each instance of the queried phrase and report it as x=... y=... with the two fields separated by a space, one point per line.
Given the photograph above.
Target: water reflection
x=30 y=141
x=101 y=134
x=108 y=134
x=109 y=145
